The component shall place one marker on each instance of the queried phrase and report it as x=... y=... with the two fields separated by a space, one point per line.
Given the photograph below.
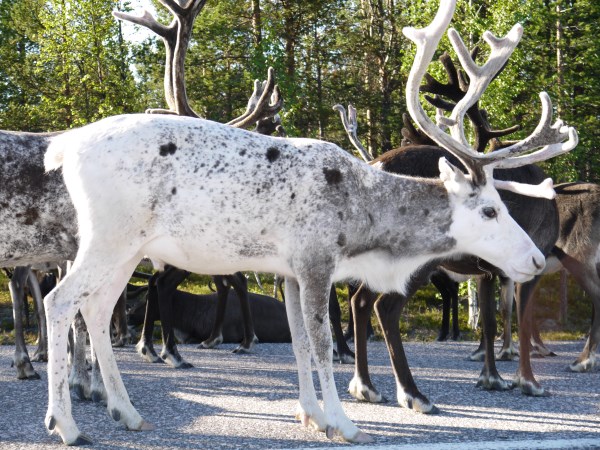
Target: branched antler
x=176 y=37
x=351 y=126
x=455 y=89
x=264 y=103
x=266 y=100
x=545 y=142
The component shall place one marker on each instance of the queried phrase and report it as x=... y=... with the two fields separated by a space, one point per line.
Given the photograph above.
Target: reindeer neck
x=408 y=224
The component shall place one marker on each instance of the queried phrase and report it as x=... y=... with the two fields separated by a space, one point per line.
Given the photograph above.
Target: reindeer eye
x=489 y=212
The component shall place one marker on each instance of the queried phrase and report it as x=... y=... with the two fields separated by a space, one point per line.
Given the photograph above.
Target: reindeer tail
x=53 y=159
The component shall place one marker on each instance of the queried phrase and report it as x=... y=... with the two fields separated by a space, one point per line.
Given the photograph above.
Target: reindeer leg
x=240 y=285
x=119 y=319
x=589 y=280
x=442 y=282
x=360 y=386
x=21 y=360
x=508 y=352
x=61 y=304
x=79 y=378
x=586 y=361
x=489 y=378
x=344 y=355
x=41 y=353
x=167 y=284
x=538 y=348
x=524 y=377
x=145 y=347
x=98 y=391
x=308 y=411
x=388 y=308
x=216 y=334
x=314 y=289
x=97 y=311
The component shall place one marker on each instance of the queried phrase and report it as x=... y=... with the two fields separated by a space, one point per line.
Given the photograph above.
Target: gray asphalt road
x=230 y=401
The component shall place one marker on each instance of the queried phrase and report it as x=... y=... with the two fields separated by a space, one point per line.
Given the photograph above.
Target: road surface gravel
x=231 y=401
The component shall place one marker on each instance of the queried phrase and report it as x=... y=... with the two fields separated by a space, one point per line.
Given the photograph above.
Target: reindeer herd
x=197 y=196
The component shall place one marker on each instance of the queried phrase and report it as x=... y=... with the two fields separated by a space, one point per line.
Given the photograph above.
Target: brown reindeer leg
x=586 y=361
x=343 y=354
x=538 y=348
x=489 y=378
x=119 y=319
x=41 y=353
x=21 y=360
x=388 y=308
x=508 y=352
x=524 y=377
x=448 y=288
x=145 y=347
x=166 y=285
x=588 y=277
x=216 y=335
x=240 y=286
x=360 y=386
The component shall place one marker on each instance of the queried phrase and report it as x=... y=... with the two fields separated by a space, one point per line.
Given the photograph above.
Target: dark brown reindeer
x=537 y=216
x=193 y=317
x=576 y=250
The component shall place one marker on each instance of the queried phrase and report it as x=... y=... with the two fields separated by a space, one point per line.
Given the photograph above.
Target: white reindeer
x=212 y=199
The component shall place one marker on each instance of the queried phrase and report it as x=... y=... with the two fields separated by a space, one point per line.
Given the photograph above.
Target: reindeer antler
x=176 y=37
x=455 y=89
x=266 y=100
x=351 y=126
x=264 y=103
x=549 y=137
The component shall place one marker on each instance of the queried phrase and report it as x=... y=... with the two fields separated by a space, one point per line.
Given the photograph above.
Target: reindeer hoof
x=31 y=376
x=81 y=440
x=361 y=438
x=147 y=426
x=79 y=392
x=532 y=390
x=329 y=432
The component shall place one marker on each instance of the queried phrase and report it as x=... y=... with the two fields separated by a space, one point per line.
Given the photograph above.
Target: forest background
x=67 y=63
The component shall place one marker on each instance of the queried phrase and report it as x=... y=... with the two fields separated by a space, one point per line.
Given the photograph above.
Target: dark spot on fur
x=242 y=152
x=115 y=414
x=341 y=240
x=332 y=176
x=318 y=318
x=85 y=294
x=402 y=210
x=425 y=212
x=174 y=191
x=51 y=423
x=168 y=149
x=341 y=215
x=272 y=154
x=293 y=196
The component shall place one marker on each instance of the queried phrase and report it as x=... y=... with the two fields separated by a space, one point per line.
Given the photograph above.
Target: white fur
x=212 y=199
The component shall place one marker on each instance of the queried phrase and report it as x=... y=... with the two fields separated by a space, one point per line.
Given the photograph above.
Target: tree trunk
x=256 y=23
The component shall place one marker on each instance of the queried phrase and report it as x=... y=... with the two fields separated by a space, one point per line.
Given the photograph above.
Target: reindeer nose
x=538 y=265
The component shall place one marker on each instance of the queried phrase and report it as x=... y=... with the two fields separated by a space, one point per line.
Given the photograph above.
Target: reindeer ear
x=453 y=178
